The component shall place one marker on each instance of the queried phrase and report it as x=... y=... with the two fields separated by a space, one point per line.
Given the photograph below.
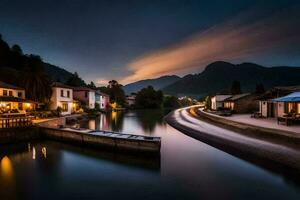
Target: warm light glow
x=28 y=105
x=6 y=167
x=114 y=105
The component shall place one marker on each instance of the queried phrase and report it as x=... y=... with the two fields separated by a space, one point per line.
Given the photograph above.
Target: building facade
x=12 y=99
x=85 y=95
x=218 y=101
x=102 y=99
x=62 y=96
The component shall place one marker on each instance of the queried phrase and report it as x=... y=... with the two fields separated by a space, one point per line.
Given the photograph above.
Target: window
x=62 y=93
x=64 y=107
x=86 y=94
x=4 y=92
x=68 y=93
x=298 y=108
x=10 y=93
x=20 y=94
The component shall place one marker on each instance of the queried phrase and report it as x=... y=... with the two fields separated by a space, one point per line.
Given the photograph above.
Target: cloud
x=248 y=35
x=102 y=82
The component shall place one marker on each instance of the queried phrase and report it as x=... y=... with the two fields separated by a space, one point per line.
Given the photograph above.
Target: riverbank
x=258 y=150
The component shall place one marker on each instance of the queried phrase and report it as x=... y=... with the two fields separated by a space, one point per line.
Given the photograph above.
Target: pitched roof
x=237 y=97
x=101 y=93
x=83 y=89
x=9 y=86
x=222 y=97
x=293 y=97
x=60 y=85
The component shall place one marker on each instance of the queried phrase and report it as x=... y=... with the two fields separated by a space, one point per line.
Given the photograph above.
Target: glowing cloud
x=247 y=36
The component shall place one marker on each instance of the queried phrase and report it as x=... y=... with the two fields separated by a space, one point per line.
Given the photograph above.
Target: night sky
x=132 y=40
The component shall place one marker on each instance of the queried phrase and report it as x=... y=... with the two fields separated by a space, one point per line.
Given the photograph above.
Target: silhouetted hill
x=218 y=77
x=157 y=83
x=57 y=73
x=13 y=64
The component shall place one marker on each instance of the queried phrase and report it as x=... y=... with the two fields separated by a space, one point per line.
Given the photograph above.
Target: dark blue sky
x=99 y=39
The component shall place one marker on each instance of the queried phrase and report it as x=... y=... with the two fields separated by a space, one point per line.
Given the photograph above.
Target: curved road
x=233 y=142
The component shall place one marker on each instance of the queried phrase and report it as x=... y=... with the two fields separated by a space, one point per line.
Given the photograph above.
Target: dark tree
x=149 y=98
x=92 y=85
x=115 y=92
x=35 y=81
x=171 y=102
x=236 y=88
x=259 y=89
x=75 y=81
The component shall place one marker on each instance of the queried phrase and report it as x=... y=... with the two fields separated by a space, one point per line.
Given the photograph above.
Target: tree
x=259 y=89
x=171 y=102
x=75 y=81
x=149 y=98
x=35 y=81
x=207 y=102
x=236 y=88
x=115 y=92
x=92 y=85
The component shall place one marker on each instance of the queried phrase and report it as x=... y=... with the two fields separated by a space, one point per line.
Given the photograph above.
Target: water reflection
x=114 y=121
x=149 y=121
x=6 y=168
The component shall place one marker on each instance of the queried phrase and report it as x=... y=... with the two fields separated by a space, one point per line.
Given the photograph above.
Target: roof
x=293 y=97
x=83 y=89
x=222 y=97
x=101 y=93
x=9 y=86
x=237 y=97
x=14 y=99
x=61 y=85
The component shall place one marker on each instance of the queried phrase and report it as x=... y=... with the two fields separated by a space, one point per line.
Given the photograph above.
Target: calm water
x=187 y=168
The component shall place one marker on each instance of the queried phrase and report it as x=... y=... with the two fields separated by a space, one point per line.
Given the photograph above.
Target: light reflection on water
x=187 y=168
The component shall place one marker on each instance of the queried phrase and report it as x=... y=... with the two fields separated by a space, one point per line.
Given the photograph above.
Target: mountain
x=157 y=83
x=218 y=77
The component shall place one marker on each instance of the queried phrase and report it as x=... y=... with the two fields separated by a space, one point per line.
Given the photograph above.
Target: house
x=102 y=99
x=242 y=103
x=85 y=95
x=12 y=99
x=271 y=105
x=62 y=96
x=130 y=100
x=218 y=101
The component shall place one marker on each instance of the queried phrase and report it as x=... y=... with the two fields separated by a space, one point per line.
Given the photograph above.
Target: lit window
x=64 y=107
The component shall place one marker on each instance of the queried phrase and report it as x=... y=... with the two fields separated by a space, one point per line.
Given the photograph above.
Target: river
x=186 y=169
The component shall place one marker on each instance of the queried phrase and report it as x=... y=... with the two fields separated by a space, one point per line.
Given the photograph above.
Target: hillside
x=157 y=83
x=218 y=77
x=13 y=64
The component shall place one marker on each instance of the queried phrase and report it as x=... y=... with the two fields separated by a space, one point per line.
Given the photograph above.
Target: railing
x=14 y=122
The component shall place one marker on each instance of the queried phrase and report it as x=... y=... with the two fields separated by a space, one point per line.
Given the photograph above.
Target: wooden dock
x=105 y=139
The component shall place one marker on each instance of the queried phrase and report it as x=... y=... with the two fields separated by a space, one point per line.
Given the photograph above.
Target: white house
x=218 y=101
x=102 y=99
x=62 y=96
